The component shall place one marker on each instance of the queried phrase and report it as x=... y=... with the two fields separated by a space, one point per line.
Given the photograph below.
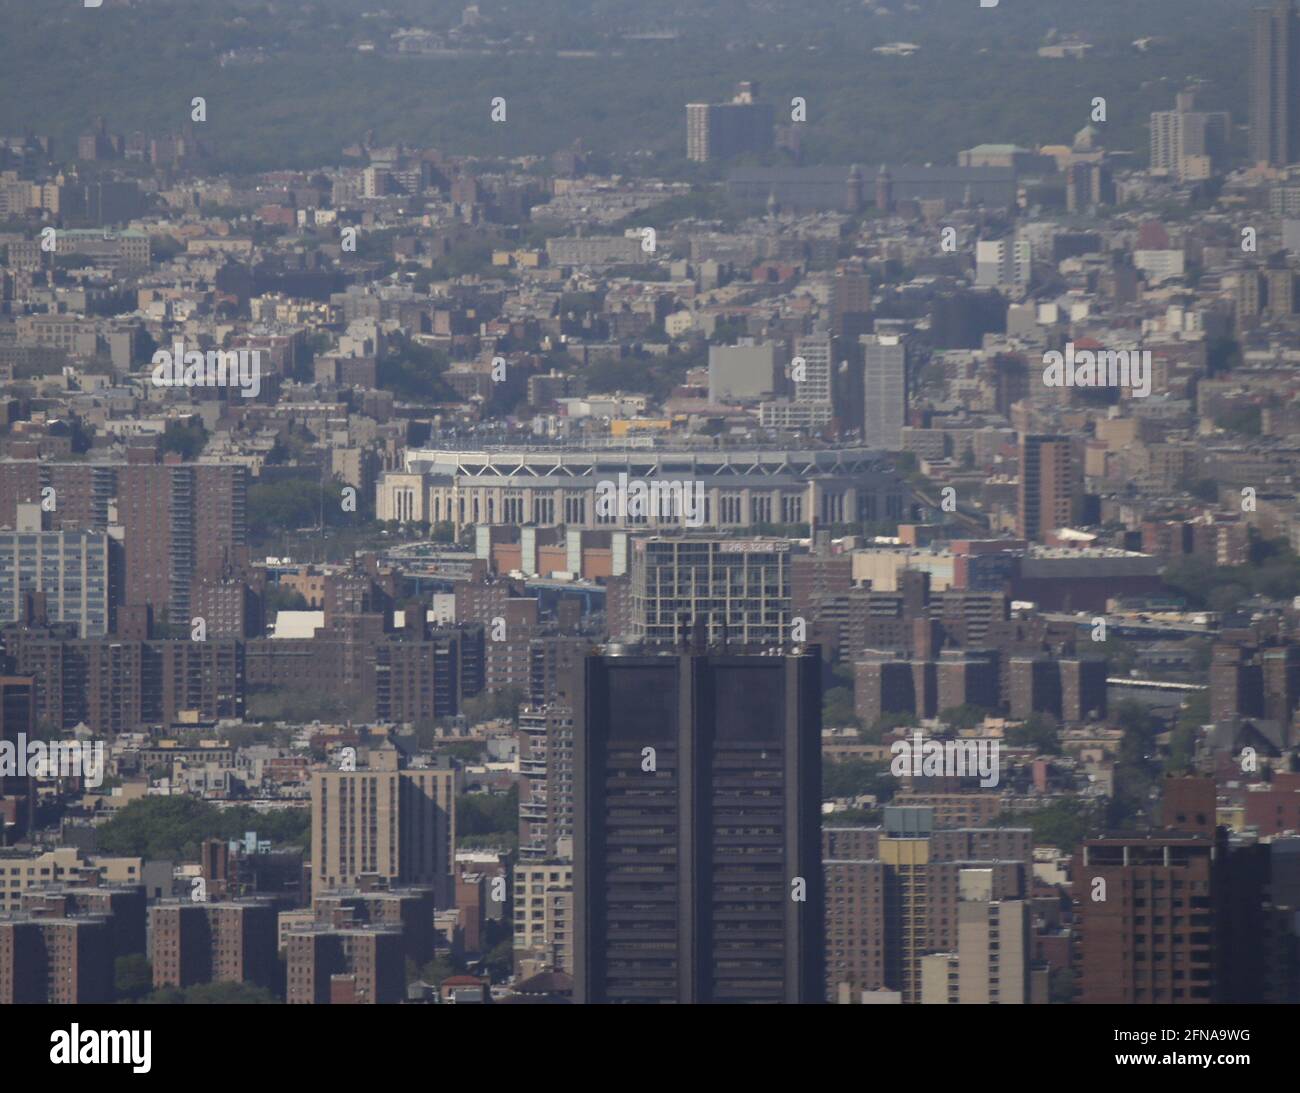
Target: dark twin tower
x=697 y=826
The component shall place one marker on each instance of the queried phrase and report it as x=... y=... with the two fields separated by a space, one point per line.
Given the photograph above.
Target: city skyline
x=563 y=503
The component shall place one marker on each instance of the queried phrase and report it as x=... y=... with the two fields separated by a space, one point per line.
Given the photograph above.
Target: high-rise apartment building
x=1254 y=682
x=55 y=961
x=122 y=906
x=1166 y=141
x=218 y=942
x=384 y=821
x=1067 y=688
x=410 y=910
x=543 y=910
x=74 y=495
x=812 y=381
x=697 y=873
x=1155 y=909
x=1088 y=185
x=967 y=677
x=1003 y=264
x=230 y=606
x=893 y=895
x=884 y=391
x=851 y=301
x=887 y=683
x=1187 y=143
x=1050 y=485
x=723 y=130
x=811 y=401
x=17 y=793
x=1147 y=919
x=991 y=965
x=357 y=965
x=546 y=783
x=417 y=679
x=1274 y=81
x=115 y=686
x=180 y=522
x=740 y=587
x=70 y=570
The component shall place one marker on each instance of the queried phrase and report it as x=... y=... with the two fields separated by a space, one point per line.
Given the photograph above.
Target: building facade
x=723 y=130
x=552 y=487
x=1274 y=72
x=384 y=822
x=739 y=588
x=696 y=857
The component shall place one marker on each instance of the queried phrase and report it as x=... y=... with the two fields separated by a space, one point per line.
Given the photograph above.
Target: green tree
x=414 y=372
x=499 y=962
x=1241 y=419
x=1203 y=489
x=441 y=967
x=132 y=977
x=1121 y=656
x=898 y=720
x=965 y=716
x=286 y=504
x=1063 y=824
x=1273 y=571
x=1136 y=768
x=214 y=994
x=1039 y=732
x=488 y=813
x=837 y=707
x=1227 y=597
x=187 y=438
x=494 y=705
x=173 y=827
x=284 y=599
x=854 y=777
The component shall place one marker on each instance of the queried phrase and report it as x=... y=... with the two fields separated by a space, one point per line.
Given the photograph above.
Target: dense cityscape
x=742 y=572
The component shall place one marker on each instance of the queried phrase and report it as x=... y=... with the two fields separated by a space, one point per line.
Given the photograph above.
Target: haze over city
x=592 y=503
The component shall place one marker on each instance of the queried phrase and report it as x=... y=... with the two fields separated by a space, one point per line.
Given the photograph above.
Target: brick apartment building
x=219 y=942
x=893 y=895
x=359 y=965
x=55 y=961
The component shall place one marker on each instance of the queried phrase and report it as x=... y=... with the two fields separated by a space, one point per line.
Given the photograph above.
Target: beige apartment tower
x=384 y=821
x=543 y=909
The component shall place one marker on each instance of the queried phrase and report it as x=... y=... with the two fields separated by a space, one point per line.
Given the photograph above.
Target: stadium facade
x=742 y=488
